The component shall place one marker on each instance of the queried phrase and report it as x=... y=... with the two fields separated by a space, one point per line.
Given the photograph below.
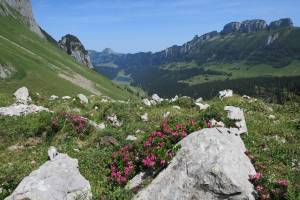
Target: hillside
x=28 y=59
x=251 y=49
x=272 y=140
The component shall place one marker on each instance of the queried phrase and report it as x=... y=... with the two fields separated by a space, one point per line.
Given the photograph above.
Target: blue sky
x=129 y=26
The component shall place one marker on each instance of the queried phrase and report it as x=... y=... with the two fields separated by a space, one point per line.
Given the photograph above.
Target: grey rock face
x=282 y=23
x=255 y=25
x=22 y=95
x=24 y=8
x=55 y=179
x=211 y=165
x=231 y=27
x=72 y=45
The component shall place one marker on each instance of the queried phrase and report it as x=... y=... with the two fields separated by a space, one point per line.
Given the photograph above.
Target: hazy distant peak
x=108 y=51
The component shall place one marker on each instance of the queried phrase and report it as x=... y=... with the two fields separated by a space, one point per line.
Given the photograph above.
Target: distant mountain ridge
x=252 y=48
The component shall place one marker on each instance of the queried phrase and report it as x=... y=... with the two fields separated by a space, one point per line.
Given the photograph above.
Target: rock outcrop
x=255 y=25
x=73 y=46
x=21 y=107
x=55 y=179
x=211 y=164
x=282 y=23
x=24 y=8
x=231 y=27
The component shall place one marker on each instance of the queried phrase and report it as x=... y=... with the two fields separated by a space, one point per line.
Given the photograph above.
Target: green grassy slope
x=40 y=65
x=274 y=143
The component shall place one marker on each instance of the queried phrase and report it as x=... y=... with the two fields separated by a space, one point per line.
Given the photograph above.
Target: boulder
x=21 y=109
x=174 y=99
x=210 y=165
x=202 y=106
x=146 y=102
x=156 y=98
x=225 y=94
x=236 y=113
x=83 y=99
x=55 y=179
x=97 y=126
x=22 y=96
x=282 y=23
x=53 y=97
x=131 y=138
x=114 y=120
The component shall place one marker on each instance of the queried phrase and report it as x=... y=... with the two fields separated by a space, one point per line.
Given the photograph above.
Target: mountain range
x=251 y=49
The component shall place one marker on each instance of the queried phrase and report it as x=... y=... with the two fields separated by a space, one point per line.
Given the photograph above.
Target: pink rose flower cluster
x=123 y=166
x=157 y=150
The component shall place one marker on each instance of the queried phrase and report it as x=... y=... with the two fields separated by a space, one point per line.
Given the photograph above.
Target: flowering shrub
x=265 y=188
x=77 y=122
x=123 y=166
x=157 y=150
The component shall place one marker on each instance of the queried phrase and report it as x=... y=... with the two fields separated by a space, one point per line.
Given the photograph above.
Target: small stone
x=53 y=97
x=22 y=96
x=174 y=99
x=83 y=99
x=225 y=94
x=177 y=107
x=146 y=102
x=202 y=106
x=145 y=117
x=135 y=181
x=52 y=153
x=166 y=115
x=15 y=147
x=66 y=98
x=131 y=138
x=272 y=117
x=200 y=99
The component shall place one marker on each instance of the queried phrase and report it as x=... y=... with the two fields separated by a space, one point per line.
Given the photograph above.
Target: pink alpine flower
x=259 y=188
x=149 y=161
x=282 y=182
x=256 y=177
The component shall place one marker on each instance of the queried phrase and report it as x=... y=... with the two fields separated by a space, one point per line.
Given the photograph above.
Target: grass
x=242 y=70
x=38 y=64
x=272 y=142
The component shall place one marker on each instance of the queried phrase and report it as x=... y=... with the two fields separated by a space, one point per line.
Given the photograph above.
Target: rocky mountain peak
x=231 y=27
x=24 y=9
x=108 y=51
x=281 y=23
x=254 y=25
x=73 y=46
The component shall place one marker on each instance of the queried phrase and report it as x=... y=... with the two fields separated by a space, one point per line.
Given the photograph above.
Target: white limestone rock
x=55 y=179
x=157 y=99
x=53 y=98
x=177 y=107
x=174 y=99
x=21 y=109
x=200 y=99
x=97 y=126
x=236 y=113
x=146 y=102
x=66 y=98
x=166 y=115
x=272 y=117
x=131 y=138
x=225 y=94
x=145 y=117
x=135 y=181
x=22 y=96
x=202 y=106
x=210 y=165
x=52 y=153
x=114 y=120
x=83 y=99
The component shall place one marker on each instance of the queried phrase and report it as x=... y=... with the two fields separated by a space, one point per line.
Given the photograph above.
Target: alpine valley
x=252 y=57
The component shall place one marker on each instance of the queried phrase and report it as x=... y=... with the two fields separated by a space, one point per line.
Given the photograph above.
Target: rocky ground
x=231 y=147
